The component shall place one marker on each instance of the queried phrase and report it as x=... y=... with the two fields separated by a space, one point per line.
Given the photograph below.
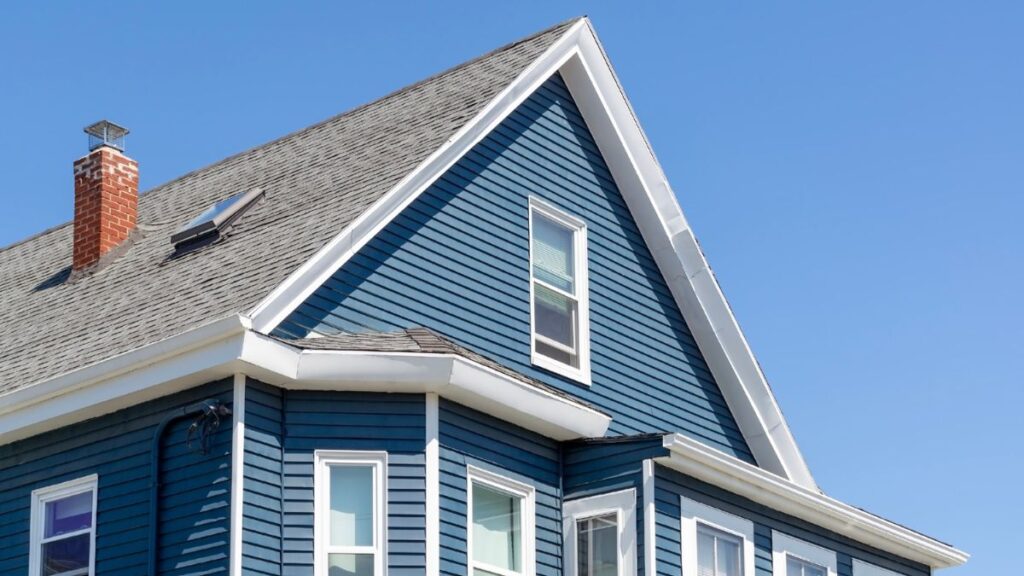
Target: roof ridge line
x=315 y=125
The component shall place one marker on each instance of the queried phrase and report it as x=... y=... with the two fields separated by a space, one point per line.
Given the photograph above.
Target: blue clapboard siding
x=468 y=437
x=457 y=260
x=263 y=479
x=670 y=485
x=195 y=501
x=118 y=447
x=343 y=421
x=590 y=468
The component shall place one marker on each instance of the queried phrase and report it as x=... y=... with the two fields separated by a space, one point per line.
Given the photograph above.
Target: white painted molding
x=862 y=568
x=622 y=503
x=650 y=533
x=784 y=545
x=227 y=347
x=237 y=473
x=714 y=467
x=694 y=515
x=433 y=489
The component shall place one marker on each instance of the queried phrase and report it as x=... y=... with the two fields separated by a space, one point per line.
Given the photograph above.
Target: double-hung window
x=714 y=542
x=558 y=292
x=600 y=535
x=63 y=531
x=501 y=525
x=795 y=557
x=350 y=513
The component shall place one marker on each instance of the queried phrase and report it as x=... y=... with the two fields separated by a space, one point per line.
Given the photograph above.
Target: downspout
x=204 y=407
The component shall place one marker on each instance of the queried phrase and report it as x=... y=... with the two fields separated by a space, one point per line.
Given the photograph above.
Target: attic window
x=215 y=219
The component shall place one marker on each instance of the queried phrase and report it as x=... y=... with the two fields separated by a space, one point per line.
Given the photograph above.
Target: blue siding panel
x=468 y=437
x=263 y=477
x=195 y=491
x=670 y=485
x=284 y=428
x=456 y=260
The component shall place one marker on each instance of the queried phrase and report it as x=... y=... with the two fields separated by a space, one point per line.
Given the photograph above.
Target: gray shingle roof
x=316 y=182
x=422 y=340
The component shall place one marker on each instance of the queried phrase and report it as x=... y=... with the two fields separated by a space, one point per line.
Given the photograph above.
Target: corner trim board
x=650 y=534
x=433 y=489
x=237 y=473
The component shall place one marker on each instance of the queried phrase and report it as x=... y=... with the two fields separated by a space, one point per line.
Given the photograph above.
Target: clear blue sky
x=854 y=171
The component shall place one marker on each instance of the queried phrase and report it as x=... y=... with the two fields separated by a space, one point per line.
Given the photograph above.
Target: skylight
x=216 y=218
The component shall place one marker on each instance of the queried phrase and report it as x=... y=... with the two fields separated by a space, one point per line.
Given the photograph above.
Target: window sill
x=581 y=375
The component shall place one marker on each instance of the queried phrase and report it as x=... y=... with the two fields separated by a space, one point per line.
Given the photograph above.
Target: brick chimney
x=106 y=195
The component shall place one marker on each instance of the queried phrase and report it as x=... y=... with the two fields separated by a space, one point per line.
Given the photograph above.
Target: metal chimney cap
x=106 y=133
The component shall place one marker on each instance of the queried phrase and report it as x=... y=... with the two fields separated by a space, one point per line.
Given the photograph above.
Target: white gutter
x=704 y=463
x=226 y=347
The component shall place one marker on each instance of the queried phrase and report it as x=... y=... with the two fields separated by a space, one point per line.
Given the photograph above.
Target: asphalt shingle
x=316 y=181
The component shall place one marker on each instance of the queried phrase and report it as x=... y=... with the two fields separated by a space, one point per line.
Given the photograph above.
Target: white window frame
x=323 y=460
x=527 y=511
x=42 y=496
x=694 y=514
x=582 y=295
x=862 y=568
x=623 y=505
x=784 y=545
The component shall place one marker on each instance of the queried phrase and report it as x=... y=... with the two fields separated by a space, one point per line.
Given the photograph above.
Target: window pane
x=65 y=555
x=598 y=548
x=705 y=554
x=350 y=564
x=497 y=532
x=553 y=253
x=728 y=557
x=794 y=567
x=68 y=515
x=351 y=504
x=798 y=567
x=554 y=316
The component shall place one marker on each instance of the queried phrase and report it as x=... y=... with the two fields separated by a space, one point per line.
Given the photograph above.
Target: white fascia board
x=307 y=278
x=200 y=355
x=579 y=57
x=667 y=233
x=227 y=347
x=714 y=467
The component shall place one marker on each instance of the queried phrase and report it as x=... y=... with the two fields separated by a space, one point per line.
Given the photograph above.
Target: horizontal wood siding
x=594 y=468
x=670 y=485
x=457 y=260
x=263 y=496
x=468 y=437
x=355 y=421
x=118 y=447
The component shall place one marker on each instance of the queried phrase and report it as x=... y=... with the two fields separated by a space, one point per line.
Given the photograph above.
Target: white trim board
x=226 y=347
x=720 y=469
x=237 y=473
x=621 y=503
x=432 y=452
x=784 y=545
x=579 y=57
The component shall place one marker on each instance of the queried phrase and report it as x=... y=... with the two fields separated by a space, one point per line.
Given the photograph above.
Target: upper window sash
x=525 y=496
x=697 y=517
x=573 y=290
x=37 y=537
x=622 y=505
x=785 y=546
x=323 y=546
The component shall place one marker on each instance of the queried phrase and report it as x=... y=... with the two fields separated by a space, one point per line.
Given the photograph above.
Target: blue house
x=462 y=330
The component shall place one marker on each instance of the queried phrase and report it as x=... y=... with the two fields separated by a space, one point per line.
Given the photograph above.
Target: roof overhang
x=579 y=57
x=229 y=346
x=705 y=463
